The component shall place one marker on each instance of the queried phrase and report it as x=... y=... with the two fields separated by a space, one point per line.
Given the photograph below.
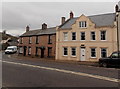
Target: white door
x=82 y=54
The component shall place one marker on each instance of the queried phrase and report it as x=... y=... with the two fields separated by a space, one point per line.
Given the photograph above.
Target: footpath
x=53 y=60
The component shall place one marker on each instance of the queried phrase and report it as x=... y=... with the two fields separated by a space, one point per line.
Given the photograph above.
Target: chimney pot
x=116 y=8
x=62 y=20
x=44 y=26
x=27 y=28
x=71 y=15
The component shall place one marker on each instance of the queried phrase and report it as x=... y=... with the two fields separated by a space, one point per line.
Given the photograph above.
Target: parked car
x=11 y=49
x=112 y=60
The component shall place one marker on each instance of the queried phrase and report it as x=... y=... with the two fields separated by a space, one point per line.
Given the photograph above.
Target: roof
x=36 y=32
x=99 y=20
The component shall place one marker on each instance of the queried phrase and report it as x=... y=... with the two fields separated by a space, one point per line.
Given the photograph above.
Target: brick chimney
x=71 y=15
x=44 y=26
x=116 y=8
x=27 y=28
x=62 y=20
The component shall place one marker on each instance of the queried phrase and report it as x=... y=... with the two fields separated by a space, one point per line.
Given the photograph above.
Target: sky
x=17 y=15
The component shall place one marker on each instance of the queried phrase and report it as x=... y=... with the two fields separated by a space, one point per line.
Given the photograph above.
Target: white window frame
x=29 y=50
x=81 y=36
x=20 y=50
x=101 y=52
x=83 y=24
x=91 y=36
x=91 y=52
x=30 y=40
x=75 y=36
x=64 y=51
x=75 y=52
x=65 y=35
x=105 y=35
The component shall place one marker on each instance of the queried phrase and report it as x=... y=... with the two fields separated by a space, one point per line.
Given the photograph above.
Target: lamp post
x=117 y=16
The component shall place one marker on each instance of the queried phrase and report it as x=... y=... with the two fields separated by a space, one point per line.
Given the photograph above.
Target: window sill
x=65 y=55
x=73 y=56
x=93 y=57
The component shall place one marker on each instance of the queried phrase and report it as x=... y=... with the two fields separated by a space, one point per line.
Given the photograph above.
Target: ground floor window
x=65 y=51
x=29 y=50
x=93 y=52
x=103 y=52
x=36 y=51
x=73 y=51
x=20 y=50
x=49 y=51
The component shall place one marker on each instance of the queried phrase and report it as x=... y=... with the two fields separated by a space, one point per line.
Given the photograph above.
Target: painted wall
x=110 y=43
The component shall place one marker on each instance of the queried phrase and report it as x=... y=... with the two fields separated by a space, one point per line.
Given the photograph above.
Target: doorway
x=24 y=50
x=82 y=54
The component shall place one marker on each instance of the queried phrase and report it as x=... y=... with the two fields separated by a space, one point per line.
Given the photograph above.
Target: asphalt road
x=26 y=73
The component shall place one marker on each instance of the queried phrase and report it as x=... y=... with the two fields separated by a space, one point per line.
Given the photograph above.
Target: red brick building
x=40 y=42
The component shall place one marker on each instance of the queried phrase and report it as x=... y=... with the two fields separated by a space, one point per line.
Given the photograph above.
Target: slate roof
x=40 y=32
x=99 y=20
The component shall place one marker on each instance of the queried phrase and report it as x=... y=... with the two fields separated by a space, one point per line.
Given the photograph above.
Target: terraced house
x=87 y=38
x=39 y=42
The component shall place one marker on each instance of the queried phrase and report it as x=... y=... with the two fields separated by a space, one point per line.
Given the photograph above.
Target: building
x=7 y=40
x=40 y=42
x=86 y=38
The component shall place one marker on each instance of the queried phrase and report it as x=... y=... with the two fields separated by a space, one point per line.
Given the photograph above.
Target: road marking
x=67 y=71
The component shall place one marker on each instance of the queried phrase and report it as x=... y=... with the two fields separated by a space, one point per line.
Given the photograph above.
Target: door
x=82 y=54
x=49 y=51
x=42 y=53
x=24 y=50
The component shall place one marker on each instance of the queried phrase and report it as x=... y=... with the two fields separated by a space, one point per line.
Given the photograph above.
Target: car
x=112 y=60
x=11 y=49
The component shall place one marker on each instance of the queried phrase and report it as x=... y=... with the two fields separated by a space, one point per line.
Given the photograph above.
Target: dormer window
x=82 y=24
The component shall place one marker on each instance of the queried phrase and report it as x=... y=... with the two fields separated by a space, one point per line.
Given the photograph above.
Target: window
x=65 y=36
x=93 y=52
x=65 y=51
x=83 y=24
x=49 y=51
x=50 y=39
x=21 y=40
x=73 y=51
x=82 y=35
x=93 y=36
x=37 y=39
x=73 y=35
x=30 y=40
x=20 y=50
x=29 y=50
x=103 y=35
x=103 y=52
x=115 y=55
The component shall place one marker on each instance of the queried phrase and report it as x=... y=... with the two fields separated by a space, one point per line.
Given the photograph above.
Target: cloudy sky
x=16 y=15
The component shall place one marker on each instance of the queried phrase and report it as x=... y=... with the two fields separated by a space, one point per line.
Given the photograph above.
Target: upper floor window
x=82 y=36
x=103 y=35
x=65 y=36
x=37 y=39
x=73 y=35
x=21 y=40
x=73 y=51
x=103 y=52
x=65 y=51
x=93 y=52
x=93 y=36
x=30 y=40
x=50 y=39
x=83 y=24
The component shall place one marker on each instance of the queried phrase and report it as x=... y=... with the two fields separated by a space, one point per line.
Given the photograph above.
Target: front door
x=82 y=54
x=49 y=51
x=24 y=50
x=42 y=53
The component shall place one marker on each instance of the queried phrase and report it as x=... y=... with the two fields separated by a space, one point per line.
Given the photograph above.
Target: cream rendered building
x=86 y=38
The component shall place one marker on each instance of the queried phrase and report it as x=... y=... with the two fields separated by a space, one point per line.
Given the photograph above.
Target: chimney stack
x=71 y=15
x=116 y=8
x=62 y=20
x=4 y=32
x=44 y=26
x=27 y=28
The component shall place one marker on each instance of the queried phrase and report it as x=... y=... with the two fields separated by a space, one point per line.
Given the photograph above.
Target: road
x=27 y=73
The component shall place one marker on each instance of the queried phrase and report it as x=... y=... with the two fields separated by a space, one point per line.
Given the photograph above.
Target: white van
x=11 y=49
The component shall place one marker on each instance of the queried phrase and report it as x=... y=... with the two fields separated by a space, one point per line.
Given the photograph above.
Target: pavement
x=53 y=60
